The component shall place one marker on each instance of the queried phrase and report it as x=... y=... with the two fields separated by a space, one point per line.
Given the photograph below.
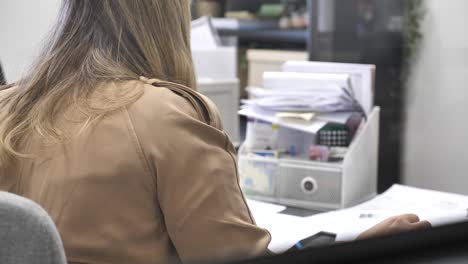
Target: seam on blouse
x=139 y=148
x=226 y=139
x=193 y=96
x=252 y=219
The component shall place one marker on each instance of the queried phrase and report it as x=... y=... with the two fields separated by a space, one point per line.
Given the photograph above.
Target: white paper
x=320 y=82
x=258 y=208
x=438 y=208
x=255 y=92
x=320 y=104
x=289 y=100
x=207 y=51
x=285 y=230
x=208 y=66
x=202 y=35
x=338 y=118
x=304 y=92
x=302 y=125
x=362 y=77
x=226 y=23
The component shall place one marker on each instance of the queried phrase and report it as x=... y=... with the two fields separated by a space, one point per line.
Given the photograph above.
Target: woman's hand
x=396 y=224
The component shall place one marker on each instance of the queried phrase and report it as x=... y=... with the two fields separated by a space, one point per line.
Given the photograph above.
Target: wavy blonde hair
x=94 y=42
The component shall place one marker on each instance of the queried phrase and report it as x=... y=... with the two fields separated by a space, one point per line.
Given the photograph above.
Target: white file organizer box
x=316 y=185
x=216 y=71
x=218 y=64
x=225 y=95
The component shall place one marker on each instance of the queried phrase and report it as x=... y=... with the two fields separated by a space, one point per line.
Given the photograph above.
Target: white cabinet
x=225 y=94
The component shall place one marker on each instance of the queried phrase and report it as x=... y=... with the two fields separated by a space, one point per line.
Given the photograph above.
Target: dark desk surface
x=445 y=244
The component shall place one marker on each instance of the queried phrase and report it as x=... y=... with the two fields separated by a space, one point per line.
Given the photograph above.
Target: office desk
x=439 y=245
x=288 y=225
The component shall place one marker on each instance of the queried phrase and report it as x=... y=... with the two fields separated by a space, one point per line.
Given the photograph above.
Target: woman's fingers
x=412 y=218
x=394 y=225
x=422 y=225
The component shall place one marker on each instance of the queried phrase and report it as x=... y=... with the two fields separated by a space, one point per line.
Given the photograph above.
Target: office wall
x=436 y=135
x=23 y=26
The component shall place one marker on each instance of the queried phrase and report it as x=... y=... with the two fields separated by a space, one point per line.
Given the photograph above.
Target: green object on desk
x=271 y=10
x=334 y=135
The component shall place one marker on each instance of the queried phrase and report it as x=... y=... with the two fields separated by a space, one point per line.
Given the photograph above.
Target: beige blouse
x=155 y=182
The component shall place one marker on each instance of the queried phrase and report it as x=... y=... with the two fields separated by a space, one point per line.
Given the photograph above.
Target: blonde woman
x=108 y=134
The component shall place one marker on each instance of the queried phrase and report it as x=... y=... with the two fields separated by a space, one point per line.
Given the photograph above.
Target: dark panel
x=250 y=5
x=370 y=40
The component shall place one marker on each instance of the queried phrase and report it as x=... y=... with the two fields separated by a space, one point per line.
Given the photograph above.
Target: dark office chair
x=27 y=233
x=2 y=76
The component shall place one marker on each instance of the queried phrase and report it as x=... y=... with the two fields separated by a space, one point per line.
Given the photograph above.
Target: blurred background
x=420 y=49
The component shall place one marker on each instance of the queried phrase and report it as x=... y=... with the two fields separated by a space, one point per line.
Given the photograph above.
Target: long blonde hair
x=97 y=41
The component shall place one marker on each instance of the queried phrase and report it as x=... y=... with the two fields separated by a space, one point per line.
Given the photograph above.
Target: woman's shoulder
x=163 y=100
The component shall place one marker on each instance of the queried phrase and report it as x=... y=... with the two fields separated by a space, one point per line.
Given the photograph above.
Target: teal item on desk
x=319 y=239
x=292 y=150
x=266 y=153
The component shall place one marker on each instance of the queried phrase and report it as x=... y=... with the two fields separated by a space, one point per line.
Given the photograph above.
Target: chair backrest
x=27 y=233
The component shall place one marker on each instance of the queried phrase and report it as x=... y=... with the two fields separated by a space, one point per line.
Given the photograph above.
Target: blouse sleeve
x=198 y=189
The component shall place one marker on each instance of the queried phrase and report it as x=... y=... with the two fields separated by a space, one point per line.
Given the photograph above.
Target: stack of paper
x=285 y=230
x=361 y=77
x=206 y=51
x=436 y=207
x=303 y=92
x=305 y=126
x=329 y=97
x=305 y=81
x=295 y=100
x=203 y=35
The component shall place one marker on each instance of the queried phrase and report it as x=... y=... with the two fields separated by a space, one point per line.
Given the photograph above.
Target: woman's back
x=129 y=172
x=149 y=183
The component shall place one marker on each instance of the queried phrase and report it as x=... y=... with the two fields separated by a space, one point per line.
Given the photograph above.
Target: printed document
x=438 y=208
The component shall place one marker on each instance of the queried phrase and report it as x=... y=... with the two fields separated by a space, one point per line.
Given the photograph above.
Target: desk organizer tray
x=299 y=182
